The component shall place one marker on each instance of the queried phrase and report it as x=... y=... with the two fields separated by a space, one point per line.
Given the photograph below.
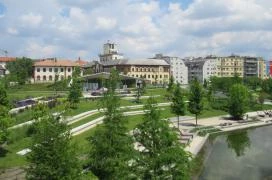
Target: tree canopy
x=53 y=156
x=195 y=98
x=20 y=69
x=111 y=146
x=162 y=156
x=178 y=106
x=238 y=101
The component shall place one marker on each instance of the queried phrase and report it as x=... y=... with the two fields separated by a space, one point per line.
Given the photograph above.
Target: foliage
x=20 y=70
x=195 y=98
x=239 y=142
x=238 y=101
x=3 y=96
x=111 y=146
x=170 y=88
x=53 y=156
x=178 y=106
x=163 y=157
x=5 y=121
x=74 y=92
x=76 y=73
x=223 y=83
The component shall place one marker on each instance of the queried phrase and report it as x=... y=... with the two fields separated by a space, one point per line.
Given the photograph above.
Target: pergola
x=96 y=81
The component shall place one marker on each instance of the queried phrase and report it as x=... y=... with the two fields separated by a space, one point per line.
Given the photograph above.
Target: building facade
x=110 y=52
x=202 y=68
x=50 y=70
x=178 y=69
x=231 y=65
x=155 y=71
x=3 y=63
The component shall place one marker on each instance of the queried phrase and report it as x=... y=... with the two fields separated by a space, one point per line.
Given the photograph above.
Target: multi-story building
x=178 y=69
x=201 y=68
x=156 y=71
x=3 y=63
x=50 y=70
x=231 y=65
x=110 y=52
x=262 y=68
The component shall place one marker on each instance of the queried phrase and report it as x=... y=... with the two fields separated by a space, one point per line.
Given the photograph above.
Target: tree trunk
x=178 y=122
x=196 y=119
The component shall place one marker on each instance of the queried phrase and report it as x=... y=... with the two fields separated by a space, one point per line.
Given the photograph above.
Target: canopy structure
x=97 y=81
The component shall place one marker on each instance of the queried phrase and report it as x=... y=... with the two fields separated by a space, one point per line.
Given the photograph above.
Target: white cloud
x=30 y=19
x=141 y=27
x=105 y=23
x=12 y=31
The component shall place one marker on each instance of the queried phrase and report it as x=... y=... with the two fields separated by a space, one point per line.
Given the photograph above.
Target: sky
x=68 y=29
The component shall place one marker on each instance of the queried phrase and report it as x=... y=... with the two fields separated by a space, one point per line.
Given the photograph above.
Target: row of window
x=149 y=76
x=148 y=69
x=50 y=78
x=51 y=69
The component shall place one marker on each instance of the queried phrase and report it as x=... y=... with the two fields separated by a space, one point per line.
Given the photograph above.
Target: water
x=243 y=155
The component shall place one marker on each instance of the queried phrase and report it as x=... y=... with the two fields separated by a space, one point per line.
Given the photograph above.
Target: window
x=38 y=69
x=69 y=69
x=44 y=69
x=132 y=69
x=61 y=69
x=50 y=77
x=62 y=77
x=50 y=69
x=56 y=77
x=38 y=78
x=44 y=78
x=160 y=76
x=148 y=76
x=56 y=69
x=69 y=77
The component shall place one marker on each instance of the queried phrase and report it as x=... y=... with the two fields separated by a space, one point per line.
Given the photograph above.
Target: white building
x=110 y=52
x=3 y=63
x=49 y=70
x=178 y=69
x=202 y=68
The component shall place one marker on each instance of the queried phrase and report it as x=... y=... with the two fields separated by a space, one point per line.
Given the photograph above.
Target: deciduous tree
x=21 y=69
x=195 y=98
x=111 y=146
x=238 y=101
x=178 y=105
x=53 y=156
x=162 y=156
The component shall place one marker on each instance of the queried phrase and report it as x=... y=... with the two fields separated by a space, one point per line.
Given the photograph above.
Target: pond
x=241 y=155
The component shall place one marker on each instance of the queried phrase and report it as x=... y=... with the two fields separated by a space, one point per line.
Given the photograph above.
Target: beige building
x=155 y=71
x=229 y=66
x=50 y=70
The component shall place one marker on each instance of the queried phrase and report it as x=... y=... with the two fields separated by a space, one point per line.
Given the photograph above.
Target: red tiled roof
x=56 y=63
x=81 y=62
x=7 y=59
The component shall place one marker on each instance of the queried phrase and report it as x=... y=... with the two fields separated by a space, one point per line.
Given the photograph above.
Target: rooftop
x=149 y=62
x=56 y=63
x=7 y=59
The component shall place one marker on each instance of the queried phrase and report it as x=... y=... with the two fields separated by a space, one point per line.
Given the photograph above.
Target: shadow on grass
x=3 y=152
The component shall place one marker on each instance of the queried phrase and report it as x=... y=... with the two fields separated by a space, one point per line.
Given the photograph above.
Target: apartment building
x=50 y=70
x=178 y=69
x=231 y=65
x=201 y=68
